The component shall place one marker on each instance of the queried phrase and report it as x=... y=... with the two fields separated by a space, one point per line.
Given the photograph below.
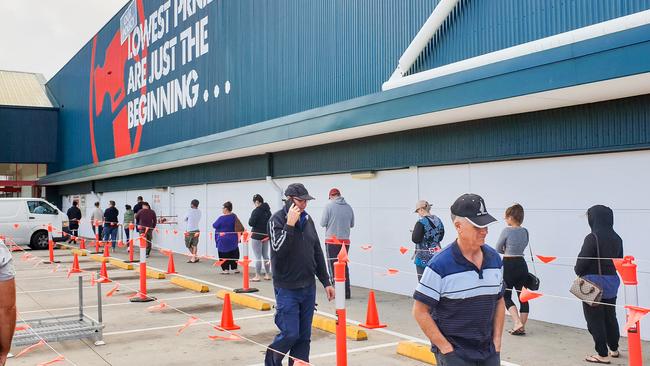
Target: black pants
x=148 y=236
x=73 y=233
x=98 y=230
x=451 y=359
x=332 y=252
x=603 y=326
x=515 y=272
x=420 y=271
x=231 y=258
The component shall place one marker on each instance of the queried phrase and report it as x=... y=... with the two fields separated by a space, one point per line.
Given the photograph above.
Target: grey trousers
x=450 y=359
x=261 y=253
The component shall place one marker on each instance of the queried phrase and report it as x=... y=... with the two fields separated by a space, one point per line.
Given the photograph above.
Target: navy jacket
x=296 y=254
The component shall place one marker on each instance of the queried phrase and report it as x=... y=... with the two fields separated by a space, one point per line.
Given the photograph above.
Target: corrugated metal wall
x=29 y=135
x=286 y=56
x=250 y=168
x=616 y=125
x=478 y=27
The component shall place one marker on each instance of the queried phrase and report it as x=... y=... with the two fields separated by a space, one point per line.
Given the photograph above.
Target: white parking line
x=87 y=287
x=180 y=325
x=385 y=331
x=352 y=350
x=117 y=304
x=381 y=330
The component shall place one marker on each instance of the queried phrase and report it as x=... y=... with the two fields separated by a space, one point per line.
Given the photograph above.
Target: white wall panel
x=555 y=193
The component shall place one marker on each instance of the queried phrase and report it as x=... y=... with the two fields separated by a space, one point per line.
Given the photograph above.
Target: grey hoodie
x=338 y=218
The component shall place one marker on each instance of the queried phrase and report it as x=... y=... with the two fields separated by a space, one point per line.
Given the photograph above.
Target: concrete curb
x=329 y=325
x=416 y=351
x=245 y=300
x=99 y=258
x=189 y=284
x=80 y=252
x=120 y=264
x=152 y=273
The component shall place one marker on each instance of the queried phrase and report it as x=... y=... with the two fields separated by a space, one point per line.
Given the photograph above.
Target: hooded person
x=603 y=242
x=258 y=222
x=337 y=219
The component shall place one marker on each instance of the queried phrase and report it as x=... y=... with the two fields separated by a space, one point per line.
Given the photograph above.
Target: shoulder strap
x=530 y=249
x=600 y=271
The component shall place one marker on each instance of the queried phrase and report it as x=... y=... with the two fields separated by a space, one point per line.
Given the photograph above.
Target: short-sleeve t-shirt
x=7 y=271
x=463 y=299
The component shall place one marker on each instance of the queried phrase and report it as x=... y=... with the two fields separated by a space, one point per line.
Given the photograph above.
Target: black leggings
x=515 y=272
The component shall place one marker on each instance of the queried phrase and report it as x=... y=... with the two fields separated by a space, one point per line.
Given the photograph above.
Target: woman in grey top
x=511 y=244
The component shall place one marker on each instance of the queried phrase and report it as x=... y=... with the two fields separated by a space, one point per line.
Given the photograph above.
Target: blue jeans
x=110 y=233
x=293 y=316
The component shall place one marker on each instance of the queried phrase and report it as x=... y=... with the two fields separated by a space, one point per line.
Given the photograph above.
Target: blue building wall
x=29 y=135
x=281 y=57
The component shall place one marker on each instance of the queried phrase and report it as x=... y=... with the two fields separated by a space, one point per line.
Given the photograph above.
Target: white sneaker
x=225 y=272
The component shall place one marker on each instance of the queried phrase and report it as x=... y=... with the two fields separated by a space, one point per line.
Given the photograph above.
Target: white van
x=25 y=221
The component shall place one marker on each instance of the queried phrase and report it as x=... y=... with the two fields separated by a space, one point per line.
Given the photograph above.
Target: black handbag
x=532 y=281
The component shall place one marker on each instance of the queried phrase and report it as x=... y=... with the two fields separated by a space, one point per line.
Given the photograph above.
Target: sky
x=42 y=35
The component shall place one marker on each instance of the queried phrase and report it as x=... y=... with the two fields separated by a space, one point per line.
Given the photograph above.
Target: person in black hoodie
x=259 y=238
x=74 y=216
x=296 y=257
x=603 y=242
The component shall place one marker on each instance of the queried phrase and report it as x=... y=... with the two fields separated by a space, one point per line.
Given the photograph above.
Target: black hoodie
x=259 y=221
x=610 y=245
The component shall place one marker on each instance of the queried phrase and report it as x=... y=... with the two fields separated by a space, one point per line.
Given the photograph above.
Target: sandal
x=256 y=279
x=614 y=354
x=596 y=359
x=517 y=332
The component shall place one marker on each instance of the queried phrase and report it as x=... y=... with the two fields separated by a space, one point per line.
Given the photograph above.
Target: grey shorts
x=191 y=239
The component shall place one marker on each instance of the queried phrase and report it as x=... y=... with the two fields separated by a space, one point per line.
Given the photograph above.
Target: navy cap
x=472 y=207
x=297 y=190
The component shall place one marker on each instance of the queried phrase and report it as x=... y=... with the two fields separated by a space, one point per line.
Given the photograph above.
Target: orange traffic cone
x=170 y=264
x=75 y=264
x=103 y=274
x=372 y=317
x=107 y=252
x=82 y=244
x=227 y=321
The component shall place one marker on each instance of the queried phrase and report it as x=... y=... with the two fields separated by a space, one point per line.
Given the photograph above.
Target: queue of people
x=464 y=289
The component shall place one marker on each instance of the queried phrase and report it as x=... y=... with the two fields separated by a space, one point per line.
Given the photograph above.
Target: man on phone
x=296 y=257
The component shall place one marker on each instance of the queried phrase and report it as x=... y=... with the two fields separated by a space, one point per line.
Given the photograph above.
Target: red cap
x=334 y=192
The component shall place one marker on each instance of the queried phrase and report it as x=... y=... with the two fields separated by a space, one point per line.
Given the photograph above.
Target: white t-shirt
x=192 y=219
x=7 y=271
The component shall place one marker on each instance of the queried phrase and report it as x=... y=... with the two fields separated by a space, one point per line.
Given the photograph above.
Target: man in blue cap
x=296 y=258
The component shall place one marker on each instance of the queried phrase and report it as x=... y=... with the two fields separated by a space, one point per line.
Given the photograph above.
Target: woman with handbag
x=226 y=230
x=512 y=243
x=599 y=277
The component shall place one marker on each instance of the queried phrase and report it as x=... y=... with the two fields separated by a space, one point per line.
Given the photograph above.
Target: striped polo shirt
x=463 y=299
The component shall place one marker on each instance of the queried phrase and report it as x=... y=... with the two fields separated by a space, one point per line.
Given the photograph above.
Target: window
x=40 y=207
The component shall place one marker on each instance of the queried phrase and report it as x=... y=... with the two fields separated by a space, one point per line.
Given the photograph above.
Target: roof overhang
x=600 y=68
